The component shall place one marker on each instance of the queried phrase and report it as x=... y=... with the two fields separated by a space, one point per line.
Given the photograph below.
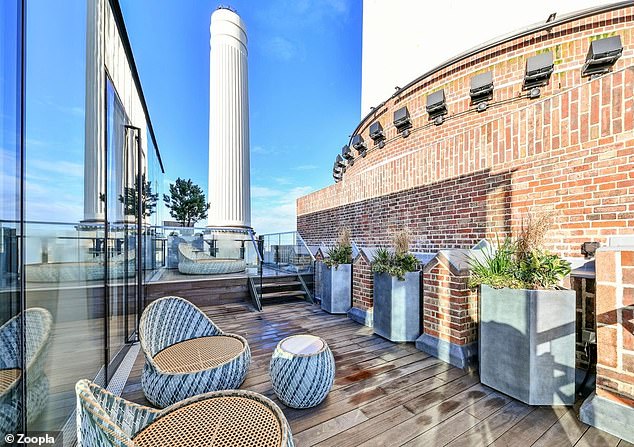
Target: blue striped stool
x=302 y=371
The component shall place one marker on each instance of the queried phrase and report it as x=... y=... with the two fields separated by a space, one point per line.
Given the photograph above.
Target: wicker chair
x=237 y=418
x=38 y=329
x=187 y=354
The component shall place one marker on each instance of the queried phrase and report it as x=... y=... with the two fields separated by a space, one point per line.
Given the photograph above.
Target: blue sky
x=304 y=88
x=304 y=82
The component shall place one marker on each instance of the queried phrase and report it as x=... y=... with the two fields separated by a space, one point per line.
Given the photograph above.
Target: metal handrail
x=312 y=257
x=255 y=245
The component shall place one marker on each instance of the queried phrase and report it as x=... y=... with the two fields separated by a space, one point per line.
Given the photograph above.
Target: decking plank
x=387 y=393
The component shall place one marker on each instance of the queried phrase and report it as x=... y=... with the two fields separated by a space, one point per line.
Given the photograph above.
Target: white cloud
x=258 y=192
x=305 y=167
x=66 y=168
x=284 y=181
x=281 y=48
x=277 y=212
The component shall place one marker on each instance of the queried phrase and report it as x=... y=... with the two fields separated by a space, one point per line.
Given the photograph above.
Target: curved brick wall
x=571 y=150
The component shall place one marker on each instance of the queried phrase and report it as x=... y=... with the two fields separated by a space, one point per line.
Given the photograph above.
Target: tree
x=130 y=197
x=186 y=202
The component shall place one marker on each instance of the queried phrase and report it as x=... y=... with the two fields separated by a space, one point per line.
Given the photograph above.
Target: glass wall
x=84 y=166
x=64 y=258
x=11 y=352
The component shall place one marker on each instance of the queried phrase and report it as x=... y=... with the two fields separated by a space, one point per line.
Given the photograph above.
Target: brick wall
x=615 y=324
x=362 y=283
x=571 y=151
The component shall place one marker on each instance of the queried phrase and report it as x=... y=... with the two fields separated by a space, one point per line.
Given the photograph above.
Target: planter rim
x=525 y=290
x=394 y=277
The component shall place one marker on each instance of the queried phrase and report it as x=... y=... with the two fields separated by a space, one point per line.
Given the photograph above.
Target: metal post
x=139 y=226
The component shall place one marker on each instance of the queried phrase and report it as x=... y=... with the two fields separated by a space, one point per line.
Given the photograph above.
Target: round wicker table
x=197 y=354
x=218 y=422
x=302 y=371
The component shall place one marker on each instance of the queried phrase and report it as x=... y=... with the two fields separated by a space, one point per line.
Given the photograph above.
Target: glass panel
x=154 y=236
x=121 y=213
x=64 y=269
x=11 y=358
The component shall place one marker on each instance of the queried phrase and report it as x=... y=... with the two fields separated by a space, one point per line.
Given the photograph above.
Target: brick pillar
x=612 y=407
x=362 y=289
x=450 y=322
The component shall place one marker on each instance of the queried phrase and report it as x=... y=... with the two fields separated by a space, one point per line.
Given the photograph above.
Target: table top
x=302 y=344
x=8 y=377
x=219 y=421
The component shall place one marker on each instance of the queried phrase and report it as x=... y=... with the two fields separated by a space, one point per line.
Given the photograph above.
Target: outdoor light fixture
x=359 y=145
x=538 y=71
x=534 y=93
x=481 y=90
x=339 y=161
x=401 y=119
x=346 y=153
x=376 y=132
x=436 y=106
x=603 y=53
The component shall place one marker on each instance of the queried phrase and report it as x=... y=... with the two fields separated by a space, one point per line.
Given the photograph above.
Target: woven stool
x=302 y=371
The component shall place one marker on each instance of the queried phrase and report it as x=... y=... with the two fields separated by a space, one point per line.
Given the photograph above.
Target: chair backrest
x=38 y=330
x=105 y=420
x=171 y=319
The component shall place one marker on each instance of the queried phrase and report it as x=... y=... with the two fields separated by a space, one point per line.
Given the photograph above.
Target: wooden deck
x=389 y=394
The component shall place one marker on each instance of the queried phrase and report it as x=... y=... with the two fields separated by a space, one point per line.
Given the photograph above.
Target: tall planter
x=336 y=288
x=397 y=307
x=527 y=344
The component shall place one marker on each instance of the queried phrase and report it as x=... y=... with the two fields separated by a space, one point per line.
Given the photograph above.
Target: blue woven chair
x=235 y=417
x=38 y=329
x=187 y=354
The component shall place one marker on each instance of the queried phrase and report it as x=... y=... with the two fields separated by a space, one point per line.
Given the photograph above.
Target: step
x=278 y=284
x=283 y=294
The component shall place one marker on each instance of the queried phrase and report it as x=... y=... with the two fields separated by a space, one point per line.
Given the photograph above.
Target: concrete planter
x=397 y=307
x=527 y=344
x=336 y=288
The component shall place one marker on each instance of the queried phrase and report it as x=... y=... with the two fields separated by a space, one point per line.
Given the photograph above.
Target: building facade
x=393 y=36
x=452 y=168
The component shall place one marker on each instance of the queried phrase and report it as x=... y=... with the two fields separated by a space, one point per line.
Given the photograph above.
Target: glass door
x=120 y=249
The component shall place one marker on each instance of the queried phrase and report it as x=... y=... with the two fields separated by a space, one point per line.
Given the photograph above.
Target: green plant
x=520 y=264
x=186 y=202
x=542 y=270
x=494 y=267
x=341 y=253
x=396 y=263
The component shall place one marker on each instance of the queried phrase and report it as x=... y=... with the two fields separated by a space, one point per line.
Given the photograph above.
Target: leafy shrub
x=341 y=253
x=398 y=262
x=521 y=264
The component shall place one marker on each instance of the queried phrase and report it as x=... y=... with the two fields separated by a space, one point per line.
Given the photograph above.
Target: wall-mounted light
x=481 y=90
x=538 y=71
x=346 y=153
x=436 y=107
x=401 y=119
x=339 y=161
x=359 y=145
x=602 y=55
x=376 y=133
